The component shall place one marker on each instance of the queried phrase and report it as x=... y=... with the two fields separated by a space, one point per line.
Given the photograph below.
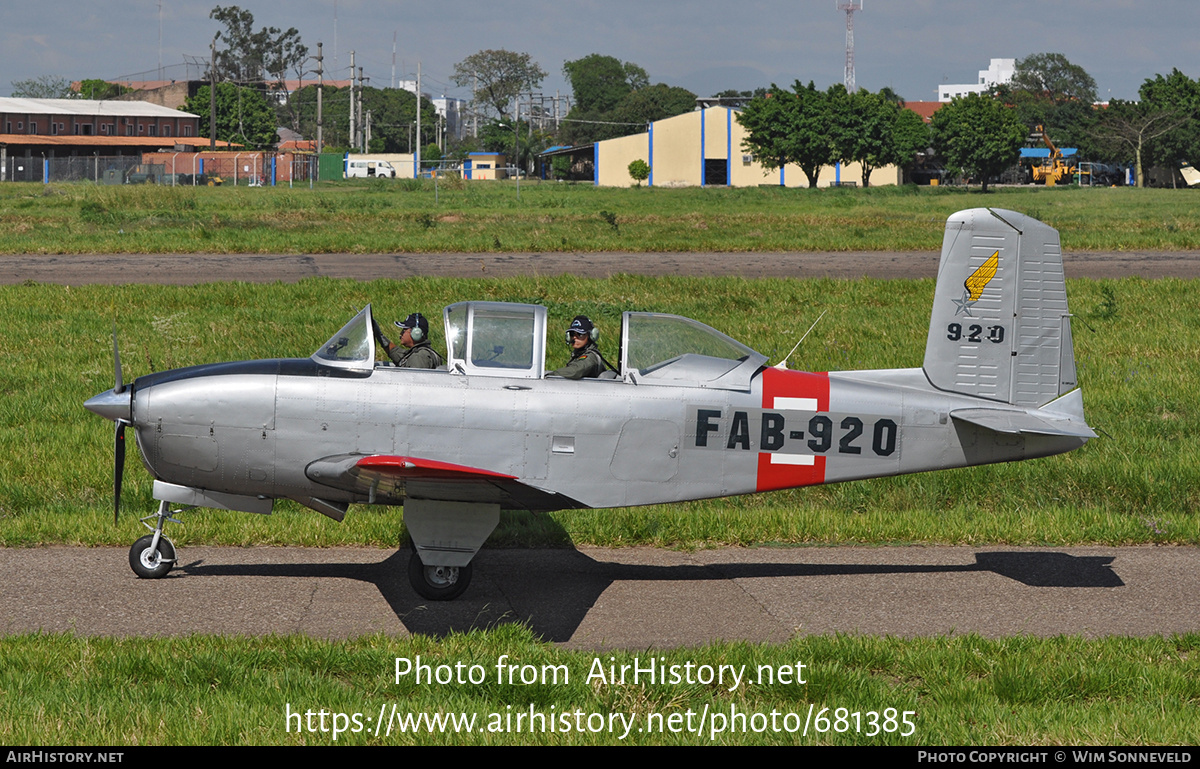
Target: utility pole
x=320 y=94
x=212 y=96
x=417 y=155
x=353 y=135
x=361 y=122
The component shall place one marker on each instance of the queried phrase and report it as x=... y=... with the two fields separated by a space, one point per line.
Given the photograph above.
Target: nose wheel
x=150 y=559
x=152 y=556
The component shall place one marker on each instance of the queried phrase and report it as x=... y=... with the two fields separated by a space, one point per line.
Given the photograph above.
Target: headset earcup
x=595 y=334
x=417 y=335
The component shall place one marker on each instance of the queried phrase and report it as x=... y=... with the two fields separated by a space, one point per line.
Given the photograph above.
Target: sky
x=705 y=46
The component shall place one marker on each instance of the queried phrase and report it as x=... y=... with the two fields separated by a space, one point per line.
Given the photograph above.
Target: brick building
x=83 y=117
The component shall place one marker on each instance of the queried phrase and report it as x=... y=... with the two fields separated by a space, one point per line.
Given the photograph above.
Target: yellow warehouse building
x=704 y=148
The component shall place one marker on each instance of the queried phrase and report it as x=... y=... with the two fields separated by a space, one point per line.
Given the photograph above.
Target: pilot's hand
x=383 y=340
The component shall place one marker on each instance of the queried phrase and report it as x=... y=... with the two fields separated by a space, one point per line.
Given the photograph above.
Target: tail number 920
x=974 y=333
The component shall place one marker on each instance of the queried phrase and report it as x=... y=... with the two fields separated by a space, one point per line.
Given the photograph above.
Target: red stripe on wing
x=415 y=467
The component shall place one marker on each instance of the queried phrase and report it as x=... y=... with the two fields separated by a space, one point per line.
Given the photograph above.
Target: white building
x=999 y=72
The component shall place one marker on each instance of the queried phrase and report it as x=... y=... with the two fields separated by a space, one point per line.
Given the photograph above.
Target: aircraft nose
x=112 y=405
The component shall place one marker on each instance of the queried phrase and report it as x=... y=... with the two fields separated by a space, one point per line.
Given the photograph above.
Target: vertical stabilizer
x=1000 y=328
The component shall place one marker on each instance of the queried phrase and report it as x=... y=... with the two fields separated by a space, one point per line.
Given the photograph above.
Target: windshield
x=653 y=339
x=352 y=347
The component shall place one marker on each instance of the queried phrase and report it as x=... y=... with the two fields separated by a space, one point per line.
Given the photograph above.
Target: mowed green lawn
x=1136 y=344
x=963 y=690
x=389 y=216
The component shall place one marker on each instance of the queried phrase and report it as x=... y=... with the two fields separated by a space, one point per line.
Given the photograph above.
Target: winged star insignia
x=973 y=286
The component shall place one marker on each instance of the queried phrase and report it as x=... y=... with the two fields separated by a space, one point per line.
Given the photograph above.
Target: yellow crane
x=1053 y=169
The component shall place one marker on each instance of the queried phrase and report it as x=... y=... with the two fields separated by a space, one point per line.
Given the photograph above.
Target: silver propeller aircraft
x=689 y=414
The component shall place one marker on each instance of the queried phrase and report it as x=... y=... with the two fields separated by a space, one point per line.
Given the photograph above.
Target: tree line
x=978 y=136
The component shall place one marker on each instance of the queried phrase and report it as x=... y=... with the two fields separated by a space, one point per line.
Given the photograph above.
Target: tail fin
x=1000 y=328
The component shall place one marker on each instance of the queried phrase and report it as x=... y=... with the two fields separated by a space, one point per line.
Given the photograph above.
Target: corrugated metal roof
x=63 y=140
x=1044 y=152
x=88 y=107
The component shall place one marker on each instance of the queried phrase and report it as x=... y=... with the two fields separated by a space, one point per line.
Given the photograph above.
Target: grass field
x=1136 y=343
x=391 y=216
x=64 y=690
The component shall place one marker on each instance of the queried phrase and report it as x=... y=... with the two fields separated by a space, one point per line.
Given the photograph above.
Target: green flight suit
x=584 y=364
x=420 y=355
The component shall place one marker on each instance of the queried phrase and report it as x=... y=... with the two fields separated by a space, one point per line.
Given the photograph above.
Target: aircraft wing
x=389 y=479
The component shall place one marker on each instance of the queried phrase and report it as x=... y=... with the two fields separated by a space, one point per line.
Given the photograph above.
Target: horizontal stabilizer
x=1062 y=416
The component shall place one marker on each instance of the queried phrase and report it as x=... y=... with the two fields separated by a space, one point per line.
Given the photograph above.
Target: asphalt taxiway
x=597 y=598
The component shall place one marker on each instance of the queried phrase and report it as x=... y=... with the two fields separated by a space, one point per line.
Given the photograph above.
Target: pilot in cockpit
x=414 y=349
x=586 y=361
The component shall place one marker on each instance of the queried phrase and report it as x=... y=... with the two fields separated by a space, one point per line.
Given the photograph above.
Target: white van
x=362 y=169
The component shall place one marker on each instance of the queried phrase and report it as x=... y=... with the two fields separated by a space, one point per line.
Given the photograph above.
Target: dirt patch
x=186 y=269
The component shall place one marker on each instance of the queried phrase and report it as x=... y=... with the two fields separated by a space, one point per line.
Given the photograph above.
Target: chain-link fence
x=180 y=168
x=173 y=169
x=305 y=169
x=20 y=169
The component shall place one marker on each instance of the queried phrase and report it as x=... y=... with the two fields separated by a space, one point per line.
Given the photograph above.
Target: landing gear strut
x=152 y=556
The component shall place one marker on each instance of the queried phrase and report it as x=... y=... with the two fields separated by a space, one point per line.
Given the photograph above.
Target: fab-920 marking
x=774 y=431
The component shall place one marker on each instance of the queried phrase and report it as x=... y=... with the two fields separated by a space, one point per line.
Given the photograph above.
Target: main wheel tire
x=438 y=583
x=149 y=564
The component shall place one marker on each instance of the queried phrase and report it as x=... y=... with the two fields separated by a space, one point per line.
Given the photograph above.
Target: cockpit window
x=496 y=339
x=352 y=347
x=653 y=339
x=502 y=339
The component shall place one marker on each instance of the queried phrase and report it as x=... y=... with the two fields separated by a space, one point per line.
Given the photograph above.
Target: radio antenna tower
x=849 y=6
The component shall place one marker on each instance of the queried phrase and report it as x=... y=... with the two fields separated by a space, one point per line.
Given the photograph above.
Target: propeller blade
x=118 y=467
x=119 y=387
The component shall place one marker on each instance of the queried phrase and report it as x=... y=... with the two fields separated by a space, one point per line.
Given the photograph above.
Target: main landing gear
x=152 y=556
x=438 y=583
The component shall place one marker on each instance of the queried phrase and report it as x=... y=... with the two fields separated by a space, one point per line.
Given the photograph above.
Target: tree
x=243 y=115
x=639 y=171
x=612 y=98
x=1130 y=128
x=560 y=166
x=656 y=102
x=599 y=83
x=979 y=135
x=1051 y=75
x=874 y=130
x=1179 y=94
x=525 y=140
x=393 y=117
x=101 y=89
x=1050 y=91
x=793 y=127
x=44 y=87
x=498 y=76
x=248 y=54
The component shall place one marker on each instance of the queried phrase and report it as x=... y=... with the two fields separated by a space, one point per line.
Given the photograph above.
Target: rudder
x=1000 y=328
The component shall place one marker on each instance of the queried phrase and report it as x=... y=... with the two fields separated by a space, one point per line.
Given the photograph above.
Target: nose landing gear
x=152 y=556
